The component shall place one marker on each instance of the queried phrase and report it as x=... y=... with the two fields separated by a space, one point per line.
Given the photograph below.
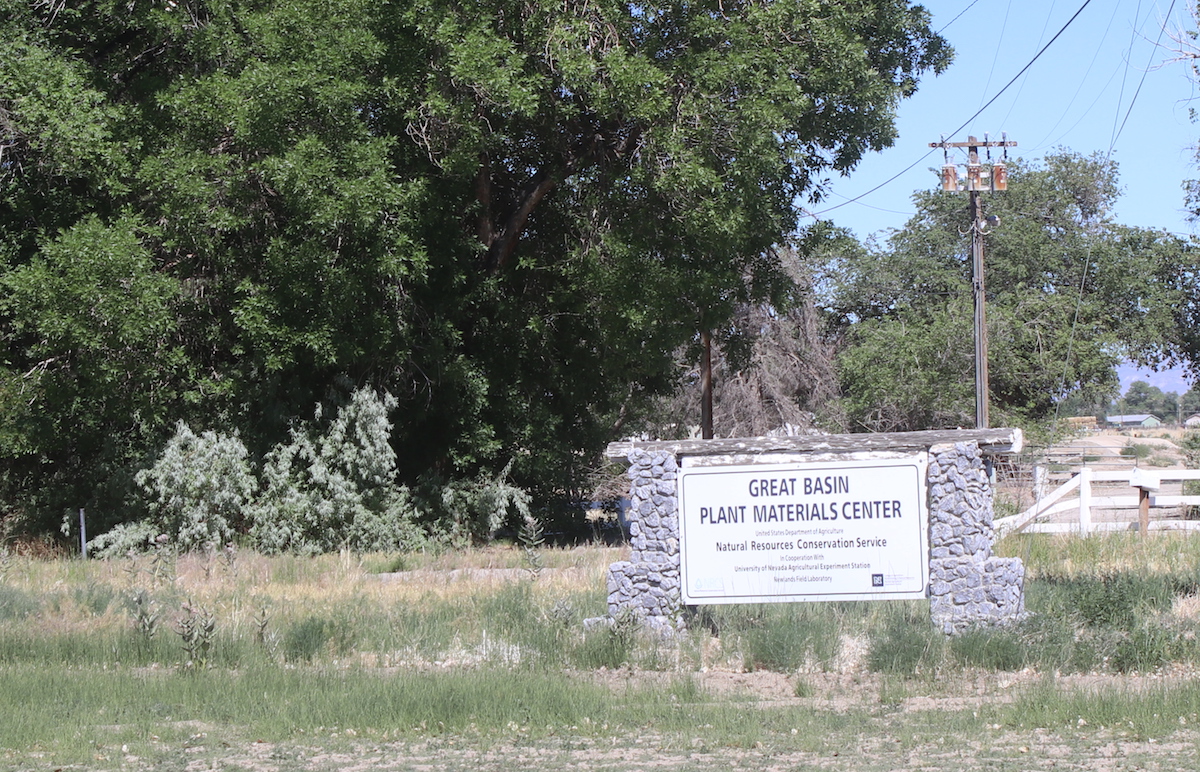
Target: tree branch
x=505 y=243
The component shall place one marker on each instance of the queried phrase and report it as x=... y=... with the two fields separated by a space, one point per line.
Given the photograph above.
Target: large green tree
x=1070 y=293
x=508 y=214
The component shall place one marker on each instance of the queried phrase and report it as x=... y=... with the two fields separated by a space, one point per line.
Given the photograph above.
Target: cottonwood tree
x=508 y=215
x=1070 y=293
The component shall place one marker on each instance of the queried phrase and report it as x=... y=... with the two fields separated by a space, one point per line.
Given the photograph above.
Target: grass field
x=475 y=660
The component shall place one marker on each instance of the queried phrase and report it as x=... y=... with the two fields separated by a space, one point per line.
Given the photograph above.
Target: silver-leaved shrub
x=473 y=510
x=197 y=492
x=332 y=486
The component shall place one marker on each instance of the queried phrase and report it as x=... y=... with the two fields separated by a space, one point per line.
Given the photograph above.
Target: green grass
x=1143 y=712
x=303 y=646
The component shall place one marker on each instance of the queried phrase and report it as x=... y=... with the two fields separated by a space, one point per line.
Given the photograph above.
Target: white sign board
x=839 y=530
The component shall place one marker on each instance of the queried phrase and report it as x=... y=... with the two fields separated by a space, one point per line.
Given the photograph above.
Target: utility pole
x=989 y=177
x=706 y=397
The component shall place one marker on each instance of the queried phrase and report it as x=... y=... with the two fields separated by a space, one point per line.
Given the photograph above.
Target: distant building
x=1136 y=421
x=1192 y=421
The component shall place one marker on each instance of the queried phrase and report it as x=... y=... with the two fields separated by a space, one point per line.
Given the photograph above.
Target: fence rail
x=1138 y=490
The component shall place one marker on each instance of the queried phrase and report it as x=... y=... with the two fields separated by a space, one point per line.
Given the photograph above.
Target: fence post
x=1144 y=482
x=1085 y=500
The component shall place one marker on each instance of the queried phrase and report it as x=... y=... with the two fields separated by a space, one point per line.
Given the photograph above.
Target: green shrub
x=1189 y=443
x=1136 y=450
x=1117 y=600
x=196 y=492
x=1143 y=649
x=1053 y=644
x=471 y=511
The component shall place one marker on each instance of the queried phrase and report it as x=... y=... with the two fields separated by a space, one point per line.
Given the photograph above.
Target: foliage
x=1137 y=450
x=1141 y=397
x=122 y=539
x=333 y=485
x=508 y=215
x=1189 y=443
x=473 y=510
x=199 y=488
x=1069 y=294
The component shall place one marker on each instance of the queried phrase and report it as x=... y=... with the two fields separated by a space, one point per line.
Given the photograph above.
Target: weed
x=162 y=560
x=563 y=612
x=261 y=620
x=196 y=629
x=609 y=646
x=532 y=539
x=229 y=556
x=146 y=617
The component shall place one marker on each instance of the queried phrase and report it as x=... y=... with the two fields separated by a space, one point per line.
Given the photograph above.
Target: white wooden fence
x=1144 y=494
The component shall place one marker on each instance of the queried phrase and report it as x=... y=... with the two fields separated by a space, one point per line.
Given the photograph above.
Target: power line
x=1087 y=266
x=965 y=123
x=1161 y=30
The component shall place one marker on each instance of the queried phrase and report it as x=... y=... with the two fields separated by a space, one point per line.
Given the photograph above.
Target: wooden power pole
x=706 y=390
x=980 y=178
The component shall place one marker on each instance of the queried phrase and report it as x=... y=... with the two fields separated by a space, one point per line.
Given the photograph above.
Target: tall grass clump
x=1000 y=649
x=778 y=636
x=608 y=646
x=16 y=603
x=905 y=644
x=1108 y=601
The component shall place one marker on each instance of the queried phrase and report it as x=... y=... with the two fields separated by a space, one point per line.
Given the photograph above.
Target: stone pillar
x=968 y=586
x=647 y=584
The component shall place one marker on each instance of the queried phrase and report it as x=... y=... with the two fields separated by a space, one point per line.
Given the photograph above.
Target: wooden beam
x=991 y=441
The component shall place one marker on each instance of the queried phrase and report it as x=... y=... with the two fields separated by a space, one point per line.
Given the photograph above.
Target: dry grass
x=462 y=626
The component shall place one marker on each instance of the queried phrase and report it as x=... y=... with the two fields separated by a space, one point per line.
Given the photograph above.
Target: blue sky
x=1107 y=84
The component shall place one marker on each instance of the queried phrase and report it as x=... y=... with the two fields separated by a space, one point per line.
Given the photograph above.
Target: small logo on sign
x=876 y=580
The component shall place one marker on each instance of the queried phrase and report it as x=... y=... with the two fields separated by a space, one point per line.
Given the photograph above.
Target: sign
x=839 y=530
